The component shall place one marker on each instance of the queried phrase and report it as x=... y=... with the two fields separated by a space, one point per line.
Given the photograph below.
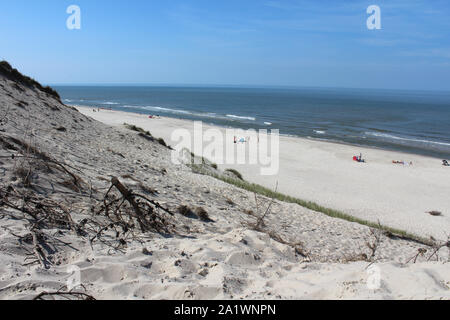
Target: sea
x=409 y=121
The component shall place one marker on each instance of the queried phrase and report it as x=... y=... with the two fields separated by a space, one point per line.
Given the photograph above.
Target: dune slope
x=172 y=234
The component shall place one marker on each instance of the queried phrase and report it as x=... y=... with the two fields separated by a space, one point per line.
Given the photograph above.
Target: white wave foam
x=167 y=110
x=319 y=131
x=186 y=112
x=175 y=111
x=268 y=123
x=389 y=136
x=109 y=103
x=240 y=117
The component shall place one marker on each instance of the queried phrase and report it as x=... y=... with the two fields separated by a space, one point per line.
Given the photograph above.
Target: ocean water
x=408 y=121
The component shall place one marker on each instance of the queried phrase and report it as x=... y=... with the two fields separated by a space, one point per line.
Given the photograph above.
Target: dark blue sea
x=409 y=121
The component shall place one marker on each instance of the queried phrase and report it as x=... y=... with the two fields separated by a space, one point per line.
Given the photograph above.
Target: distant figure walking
x=405 y=163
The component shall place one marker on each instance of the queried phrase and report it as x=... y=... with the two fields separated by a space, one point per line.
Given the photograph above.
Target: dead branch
x=437 y=248
x=420 y=252
x=128 y=195
x=66 y=295
x=373 y=245
x=38 y=251
x=260 y=220
x=298 y=247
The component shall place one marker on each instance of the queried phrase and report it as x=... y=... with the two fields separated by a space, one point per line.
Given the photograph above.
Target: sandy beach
x=225 y=159
x=91 y=210
x=396 y=195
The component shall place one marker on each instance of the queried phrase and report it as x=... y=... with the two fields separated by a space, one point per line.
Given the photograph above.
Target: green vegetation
x=15 y=75
x=162 y=142
x=236 y=173
x=137 y=129
x=146 y=134
x=256 y=188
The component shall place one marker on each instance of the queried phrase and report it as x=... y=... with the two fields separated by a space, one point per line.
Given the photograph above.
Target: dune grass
x=146 y=134
x=236 y=173
x=137 y=129
x=15 y=75
x=256 y=188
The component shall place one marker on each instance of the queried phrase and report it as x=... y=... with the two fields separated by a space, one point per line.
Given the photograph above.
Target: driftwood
x=37 y=249
x=420 y=252
x=128 y=195
x=260 y=221
x=437 y=248
x=65 y=295
x=42 y=216
x=145 y=214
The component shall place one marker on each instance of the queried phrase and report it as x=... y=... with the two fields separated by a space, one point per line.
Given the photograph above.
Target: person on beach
x=405 y=163
x=359 y=158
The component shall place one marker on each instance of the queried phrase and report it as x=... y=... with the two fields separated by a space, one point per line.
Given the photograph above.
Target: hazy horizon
x=237 y=86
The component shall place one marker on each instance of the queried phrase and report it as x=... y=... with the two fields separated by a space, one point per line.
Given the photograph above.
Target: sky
x=231 y=42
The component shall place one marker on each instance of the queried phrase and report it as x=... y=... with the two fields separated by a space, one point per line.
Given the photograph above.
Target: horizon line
x=242 y=86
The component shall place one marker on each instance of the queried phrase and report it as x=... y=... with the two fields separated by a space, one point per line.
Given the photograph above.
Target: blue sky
x=214 y=42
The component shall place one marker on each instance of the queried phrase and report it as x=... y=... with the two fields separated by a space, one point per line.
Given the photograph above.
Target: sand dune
x=56 y=184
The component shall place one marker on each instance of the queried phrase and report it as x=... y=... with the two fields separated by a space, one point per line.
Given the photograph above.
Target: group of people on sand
x=98 y=109
x=359 y=158
x=150 y=116
x=444 y=163
x=405 y=163
x=241 y=140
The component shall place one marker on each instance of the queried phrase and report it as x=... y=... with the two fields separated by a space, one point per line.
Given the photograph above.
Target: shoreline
x=323 y=172
x=309 y=138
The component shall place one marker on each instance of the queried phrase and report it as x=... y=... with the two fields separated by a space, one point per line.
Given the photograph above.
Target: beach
x=100 y=211
x=396 y=195
x=226 y=158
